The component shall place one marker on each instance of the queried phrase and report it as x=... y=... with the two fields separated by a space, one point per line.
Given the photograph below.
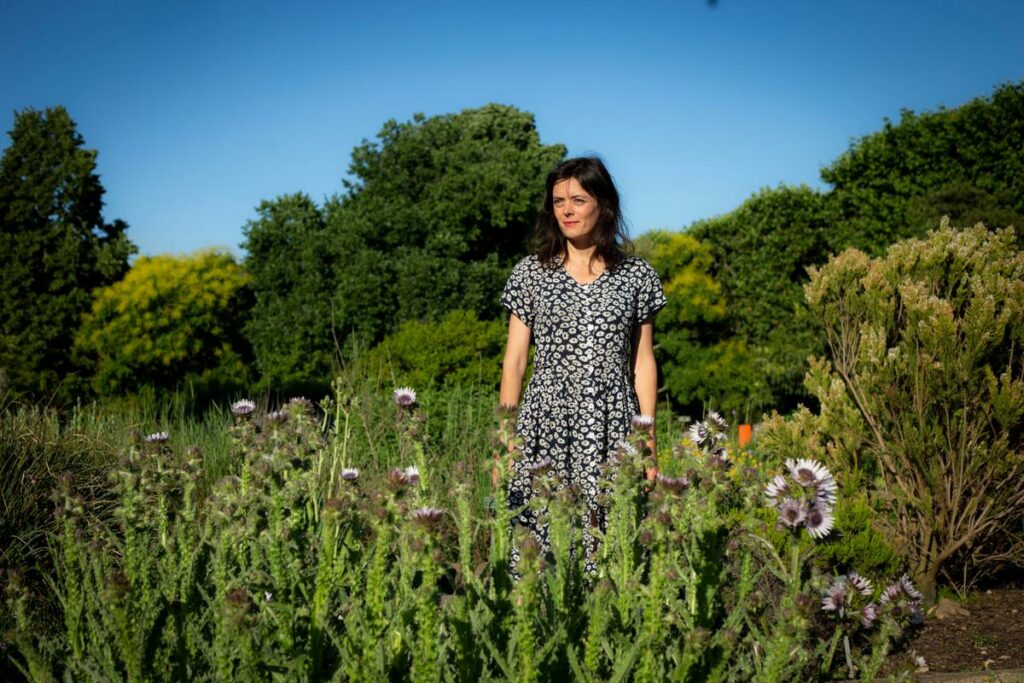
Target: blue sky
x=200 y=110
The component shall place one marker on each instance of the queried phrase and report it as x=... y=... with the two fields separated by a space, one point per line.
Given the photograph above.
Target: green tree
x=762 y=251
x=172 y=321
x=56 y=250
x=436 y=213
x=923 y=392
x=291 y=260
x=701 y=367
x=964 y=162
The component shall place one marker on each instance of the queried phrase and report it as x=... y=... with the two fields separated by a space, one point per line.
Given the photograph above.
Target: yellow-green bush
x=172 y=320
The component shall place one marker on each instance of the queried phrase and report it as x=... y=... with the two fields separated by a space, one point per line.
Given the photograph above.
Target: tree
x=57 y=249
x=172 y=321
x=436 y=213
x=923 y=391
x=762 y=251
x=964 y=162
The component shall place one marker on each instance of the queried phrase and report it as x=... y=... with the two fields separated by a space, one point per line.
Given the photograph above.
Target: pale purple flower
x=777 y=488
x=819 y=521
x=404 y=397
x=806 y=472
x=412 y=475
x=909 y=589
x=717 y=421
x=698 y=433
x=791 y=512
x=243 y=408
x=541 y=466
x=902 y=588
x=350 y=473
x=868 y=614
x=427 y=517
x=157 y=437
x=835 y=597
x=861 y=584
x=643 y=422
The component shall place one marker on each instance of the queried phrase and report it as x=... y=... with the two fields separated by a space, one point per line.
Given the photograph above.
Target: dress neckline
x=582 y=285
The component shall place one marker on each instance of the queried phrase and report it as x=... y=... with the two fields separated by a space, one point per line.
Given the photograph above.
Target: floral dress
x=580 y=400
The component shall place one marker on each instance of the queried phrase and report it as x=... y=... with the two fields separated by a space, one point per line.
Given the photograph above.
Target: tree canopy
x=57 y=249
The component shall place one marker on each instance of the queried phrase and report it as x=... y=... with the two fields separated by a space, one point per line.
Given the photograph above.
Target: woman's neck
x=577 y=254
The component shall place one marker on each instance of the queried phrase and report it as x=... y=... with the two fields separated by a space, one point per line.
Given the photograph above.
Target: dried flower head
x=819 y=521
x=791 y=512
x=428 y=518
x=405 y=397
x=350 y=473
x=157 y=437
x=243 y=408
x=643 y=423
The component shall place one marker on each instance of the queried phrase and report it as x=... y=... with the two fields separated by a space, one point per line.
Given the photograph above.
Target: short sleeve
x=518 y=295
x=650 y=294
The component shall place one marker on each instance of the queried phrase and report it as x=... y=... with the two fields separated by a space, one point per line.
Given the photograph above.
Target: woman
x=589 y=308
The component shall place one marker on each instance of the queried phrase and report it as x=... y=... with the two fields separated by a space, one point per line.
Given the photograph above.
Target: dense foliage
x=923 y=392
x=56 y=250
x=437 y=211
x=297 y=567
x=172 y=321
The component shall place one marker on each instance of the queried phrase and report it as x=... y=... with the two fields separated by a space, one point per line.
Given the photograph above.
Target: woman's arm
x=513 y=367
x=645 y=378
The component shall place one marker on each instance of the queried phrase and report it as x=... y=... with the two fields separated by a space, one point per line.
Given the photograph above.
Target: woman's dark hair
x=611 y=242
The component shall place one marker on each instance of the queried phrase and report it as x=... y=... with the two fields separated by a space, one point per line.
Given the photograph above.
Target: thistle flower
x=835 y=597
x=791 y=512
x=350 y=473
x=412 y=475
x=243 y=408
x=300 y=403
x=396 y=478
x=903 y=588
x=428 y=518
x=861 y=584
x=275 y=417
x=157 y=437
x=404 y=397
x=698 y=433
x=717 y=421
x=777 y=488
x=674 y=484
x=541 y=466
x=643 y=423
x=909 y=589
x=819 y=521
x=627 y=450
x=806 y=472
x=868 y=614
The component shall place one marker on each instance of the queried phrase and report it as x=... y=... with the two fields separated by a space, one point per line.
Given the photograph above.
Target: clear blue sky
x=200 y=109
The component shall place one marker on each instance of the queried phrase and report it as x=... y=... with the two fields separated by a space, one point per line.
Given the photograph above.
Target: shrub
x=923 y=391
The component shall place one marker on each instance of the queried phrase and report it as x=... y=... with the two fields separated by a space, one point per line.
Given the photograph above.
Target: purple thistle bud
x=243 y=408
x=428 y=518
x=405 y=397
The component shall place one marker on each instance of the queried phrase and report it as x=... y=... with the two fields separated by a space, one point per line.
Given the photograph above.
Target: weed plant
x=300 y=565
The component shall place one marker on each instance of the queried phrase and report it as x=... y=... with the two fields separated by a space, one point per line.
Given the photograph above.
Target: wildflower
x=300 y=404
x=903 y=588
x=157 y=437
x=405 y=397
x=908 y=587
x=698 y=433
x=777 y=488
x=276 y=417
x=412 y=475
x=674 y=484
x=541 y=466
x=807 y=473
x=860 y=583
x=819 y=521
x=267 y=596
x=791 y=512
x=835 y=597
x=643 y=423
x=396 y=478
x=428 y=518
x=243 y=408
x=825 y=492
x=717 y=421
x=627 y=450
x=868 y=614
x=350 y=473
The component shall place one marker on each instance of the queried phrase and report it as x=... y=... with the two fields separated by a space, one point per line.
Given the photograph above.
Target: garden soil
x=989 y=637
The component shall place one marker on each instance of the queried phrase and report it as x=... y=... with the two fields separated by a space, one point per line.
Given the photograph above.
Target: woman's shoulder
x=635 y=265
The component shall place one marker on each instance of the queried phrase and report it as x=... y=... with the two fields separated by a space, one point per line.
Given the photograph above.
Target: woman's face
x=577 y=212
